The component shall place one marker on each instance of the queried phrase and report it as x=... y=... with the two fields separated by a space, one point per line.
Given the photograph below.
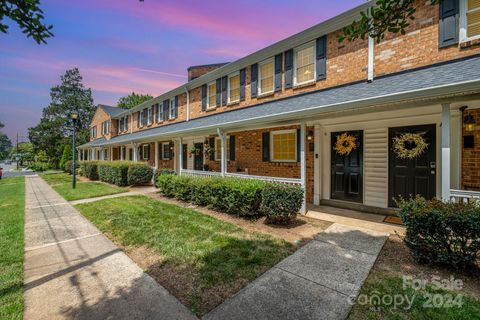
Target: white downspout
x=188 y=103
x=445 y=177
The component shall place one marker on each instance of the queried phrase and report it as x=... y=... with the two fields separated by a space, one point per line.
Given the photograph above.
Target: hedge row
x=120 y=173
x=243 y=197
x=443 y=233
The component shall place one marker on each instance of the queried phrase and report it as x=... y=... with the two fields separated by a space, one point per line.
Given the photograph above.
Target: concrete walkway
x=319 y=281
x=72 y=271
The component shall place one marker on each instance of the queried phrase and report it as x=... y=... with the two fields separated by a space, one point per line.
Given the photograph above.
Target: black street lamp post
x=74 y=117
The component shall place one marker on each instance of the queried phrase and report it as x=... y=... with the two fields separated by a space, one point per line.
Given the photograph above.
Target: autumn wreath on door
x=345 y=144
x=409 y=145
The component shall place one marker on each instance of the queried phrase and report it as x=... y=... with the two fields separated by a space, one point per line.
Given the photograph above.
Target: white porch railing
x=198 y=173
x=464 y=196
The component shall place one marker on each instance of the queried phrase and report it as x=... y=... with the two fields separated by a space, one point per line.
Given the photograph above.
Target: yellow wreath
x=345 y=144
x=402 y=152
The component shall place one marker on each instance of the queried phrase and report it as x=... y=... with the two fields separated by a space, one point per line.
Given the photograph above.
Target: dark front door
x=184 y=156
x=130 y=154
x=198 y=157
x=412 y=176
x=347 y=169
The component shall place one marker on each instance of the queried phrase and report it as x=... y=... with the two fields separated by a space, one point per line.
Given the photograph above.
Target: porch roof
x=440 y=80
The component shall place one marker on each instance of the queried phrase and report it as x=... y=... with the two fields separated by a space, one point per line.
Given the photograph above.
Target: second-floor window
x=304 y=64
x=212 y=95
x=171 y=110
x=265 y=85
x=93 y=132
x=473 y=19
x=105 y=127
x=121 y=124
x=234 y=88
x=149 y=115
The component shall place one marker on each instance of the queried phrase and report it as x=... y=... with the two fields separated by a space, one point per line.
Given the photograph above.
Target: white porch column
x=317 y=168
x=223 y=143
x=445 y=176
x=102 y=154
x=135 y=152
x=110 y=153
x=180 y=155
x=156 y=154
x=303 y=210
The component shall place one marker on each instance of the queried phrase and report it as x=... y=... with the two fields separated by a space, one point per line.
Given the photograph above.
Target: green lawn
x=427 y=303
x=201 y=260
x=12 y=203
x=62 y=183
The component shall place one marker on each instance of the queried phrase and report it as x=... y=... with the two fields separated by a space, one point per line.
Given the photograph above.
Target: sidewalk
x=319 y=281
x=72 y=271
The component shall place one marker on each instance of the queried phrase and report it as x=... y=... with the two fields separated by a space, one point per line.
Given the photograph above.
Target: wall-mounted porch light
x=469 y=123
x=310 y=135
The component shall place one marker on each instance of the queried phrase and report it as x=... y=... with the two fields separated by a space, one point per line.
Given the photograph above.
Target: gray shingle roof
x=437 y=80
x=112 y=111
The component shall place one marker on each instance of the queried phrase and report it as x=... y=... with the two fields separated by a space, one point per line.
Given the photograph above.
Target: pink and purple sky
x=146 y=47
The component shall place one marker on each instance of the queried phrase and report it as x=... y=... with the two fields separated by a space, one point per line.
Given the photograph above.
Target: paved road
x=72 y=271
x=9 y=171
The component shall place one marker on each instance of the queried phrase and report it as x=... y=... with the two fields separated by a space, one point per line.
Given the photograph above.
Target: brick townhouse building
x=353 y=123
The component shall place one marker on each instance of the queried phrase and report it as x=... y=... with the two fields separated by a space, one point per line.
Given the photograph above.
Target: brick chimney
x=197 y=71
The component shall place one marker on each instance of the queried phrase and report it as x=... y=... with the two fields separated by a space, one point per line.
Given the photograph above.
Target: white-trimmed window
x=93 y=132
x=283 y=145
x=212 y=95
x=304 y=63
x=266 y=76
x=234 y=87
x=171 y=110
x=218 y=148
x=145 y=151
x=470 y=20
x=149 y=116
x=166 y=151
x=105 y=127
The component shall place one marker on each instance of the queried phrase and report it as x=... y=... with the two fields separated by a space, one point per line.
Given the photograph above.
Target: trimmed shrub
x=89 y=169
x=443 y=233
x=231 y=195
x=40 y=166
x=114 y=172
x=161 y=171
x=281 y=203
x=69 y=167
x=139 y=173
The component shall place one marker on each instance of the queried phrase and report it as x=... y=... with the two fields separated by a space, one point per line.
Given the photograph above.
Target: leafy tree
x=133 y=100
x=386 y=16
x=66 y=156
x=29 y=17
x=55 y=128
x=24 y=150
x=5 y=144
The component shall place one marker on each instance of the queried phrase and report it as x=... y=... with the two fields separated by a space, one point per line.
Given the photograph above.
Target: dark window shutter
x=224 y=91
x=448 y=24
x=266 y=146
x=211 y=142
x=288 y=68
x=321 y=58
x=298 y=144
x=160 y=150
x=218 y=85
x=145 y=116
x=204 y=97
x=148 y=152
x=232 y=148
x=242 y=84
x=165 y=109
x=176 y=106
x=253 y=79
x=138 y=119
x=278 y=72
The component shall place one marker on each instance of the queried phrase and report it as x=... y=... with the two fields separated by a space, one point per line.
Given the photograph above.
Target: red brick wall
x=471 y=157
x=197 y=71
x=248 y=156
